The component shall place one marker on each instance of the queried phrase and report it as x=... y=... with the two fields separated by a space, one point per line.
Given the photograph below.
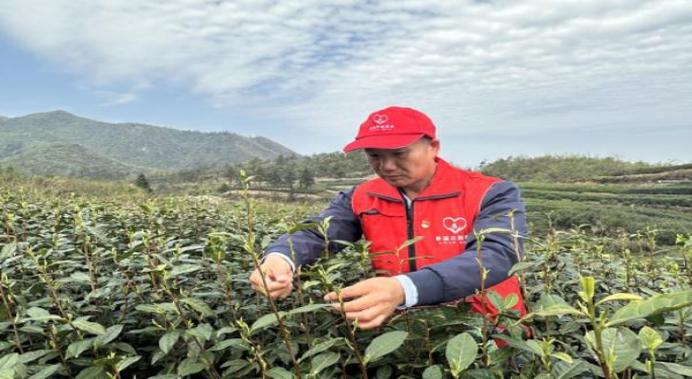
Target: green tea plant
x=158 y=288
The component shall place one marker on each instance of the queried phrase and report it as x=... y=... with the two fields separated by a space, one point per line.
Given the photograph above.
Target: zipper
x=409 y=233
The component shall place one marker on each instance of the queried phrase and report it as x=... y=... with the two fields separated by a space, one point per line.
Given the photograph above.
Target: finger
x=365 y=315
x=281 y=292
x=274 y=285
x=356 y=290
x=279 y=271
x=254 y=277
x=374 y=323
x=285 y=294
x=331 y=297
x=360 y=304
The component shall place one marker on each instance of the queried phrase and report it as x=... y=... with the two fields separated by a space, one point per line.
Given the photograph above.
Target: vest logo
x=454 y=224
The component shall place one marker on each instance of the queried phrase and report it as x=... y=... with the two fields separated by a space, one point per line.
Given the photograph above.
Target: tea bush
x=102 y=288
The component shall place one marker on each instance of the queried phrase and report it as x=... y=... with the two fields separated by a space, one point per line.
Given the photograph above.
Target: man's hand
x=278 y=275
x=373 y=301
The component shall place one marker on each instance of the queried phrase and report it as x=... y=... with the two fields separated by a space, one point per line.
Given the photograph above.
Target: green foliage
x=66 y=160
x=157 y=287
x=142 y=182
x=307 y=179
x=558 y=168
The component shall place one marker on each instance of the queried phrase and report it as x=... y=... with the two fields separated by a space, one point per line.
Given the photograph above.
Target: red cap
x=392 y=128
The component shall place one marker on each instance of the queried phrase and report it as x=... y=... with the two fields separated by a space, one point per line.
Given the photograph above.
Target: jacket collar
x=439 y=187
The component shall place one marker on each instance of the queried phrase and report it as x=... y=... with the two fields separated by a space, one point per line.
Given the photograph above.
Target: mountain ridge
x=142 y=147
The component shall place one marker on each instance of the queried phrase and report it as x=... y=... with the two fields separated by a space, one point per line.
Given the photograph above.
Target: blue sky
x=499 y=78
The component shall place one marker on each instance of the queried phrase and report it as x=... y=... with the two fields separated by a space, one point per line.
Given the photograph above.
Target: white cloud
x=115 y=98
x=496 y=66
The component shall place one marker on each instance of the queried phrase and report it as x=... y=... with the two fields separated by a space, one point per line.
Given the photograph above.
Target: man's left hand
x=370 y=301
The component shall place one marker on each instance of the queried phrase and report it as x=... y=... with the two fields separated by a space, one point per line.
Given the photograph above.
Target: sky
x=498 y=78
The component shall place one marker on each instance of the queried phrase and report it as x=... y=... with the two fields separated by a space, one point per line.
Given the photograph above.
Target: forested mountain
x=60 y=143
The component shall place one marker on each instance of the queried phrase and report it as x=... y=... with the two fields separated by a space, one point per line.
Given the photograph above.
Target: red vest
x=442 y=216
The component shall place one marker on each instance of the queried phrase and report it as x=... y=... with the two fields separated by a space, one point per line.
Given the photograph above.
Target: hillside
x=552 y=168
x=672 y=174
x=67 y=160
x=148 y=148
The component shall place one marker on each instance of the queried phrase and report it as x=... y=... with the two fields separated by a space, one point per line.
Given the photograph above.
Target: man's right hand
x=278 y=276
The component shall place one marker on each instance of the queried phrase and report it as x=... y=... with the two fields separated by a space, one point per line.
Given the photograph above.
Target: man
x=420 y=195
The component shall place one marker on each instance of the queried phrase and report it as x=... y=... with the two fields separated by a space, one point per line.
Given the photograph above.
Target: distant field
x=611 y=208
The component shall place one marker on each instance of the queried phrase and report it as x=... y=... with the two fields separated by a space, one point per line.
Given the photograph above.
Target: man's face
x=405 y=167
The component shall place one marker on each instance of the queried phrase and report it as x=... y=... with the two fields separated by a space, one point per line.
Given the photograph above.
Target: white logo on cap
x=454 y=224
x=380 y=118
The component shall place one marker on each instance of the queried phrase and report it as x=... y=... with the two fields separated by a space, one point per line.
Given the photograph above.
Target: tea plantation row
x=98 y=288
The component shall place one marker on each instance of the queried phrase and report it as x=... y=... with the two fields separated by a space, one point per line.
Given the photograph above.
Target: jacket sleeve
x=309 y=244
x=459 y=276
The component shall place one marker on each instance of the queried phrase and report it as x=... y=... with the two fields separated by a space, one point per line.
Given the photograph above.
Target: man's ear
x=435 y=145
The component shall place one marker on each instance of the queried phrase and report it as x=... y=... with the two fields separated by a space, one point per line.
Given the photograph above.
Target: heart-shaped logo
x=380 y=118
x=454 y=224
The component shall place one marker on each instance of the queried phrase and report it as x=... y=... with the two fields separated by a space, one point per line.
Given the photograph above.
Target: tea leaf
x=523 y=266
x=433 y=372
x=676 y=368
x=46 y=372
x=126 y=362
x=265 y=321
x=320 y=347
x=384 y=372
x=190 y=366
x=233 y=342
x=89 y=327
x=111 y=333
x=40 y=314
x=308 y=308
x=623 y=343
x=279 y=373
x=78 y=347
x=8 y=250
x=562 y=356
x=167 y=341
x=555 y=310
x=588 y=286
x=562 y=370
x=520 y=344
x=150 y=308
x=384 y=344
x=654 y=305
x=9 y=361
x=322 y=361
x=619 y=296
x=93 y=372
x=226 y=330
x=184 y=269
x=650 y=338
x=33 y=355
x=80 y=277
x=461 y=352
x=199 y=306
x=201 y=331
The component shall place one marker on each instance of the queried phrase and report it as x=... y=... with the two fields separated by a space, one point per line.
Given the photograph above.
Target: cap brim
x=383 y=142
